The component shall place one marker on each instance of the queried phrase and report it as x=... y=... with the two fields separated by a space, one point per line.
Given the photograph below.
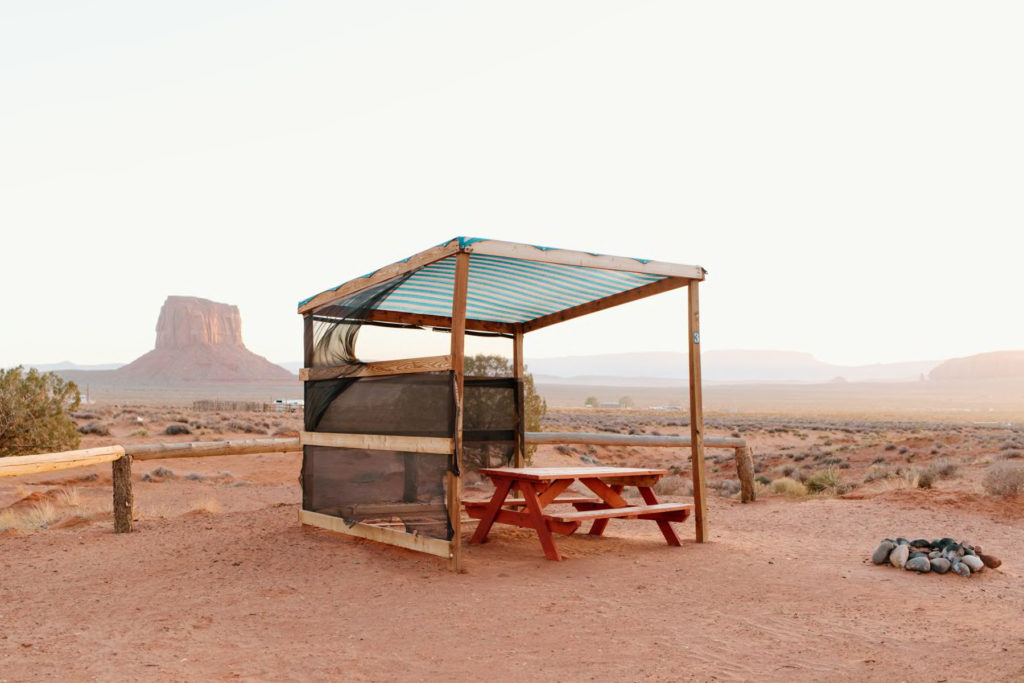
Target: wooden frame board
x=379 y=442
x=379 y=368
x=423 y=544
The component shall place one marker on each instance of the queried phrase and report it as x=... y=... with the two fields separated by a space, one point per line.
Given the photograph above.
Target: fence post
x=124 y=499
x=745 y=472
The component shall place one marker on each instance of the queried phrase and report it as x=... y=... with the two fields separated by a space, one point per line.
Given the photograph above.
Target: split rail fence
x=122 y=457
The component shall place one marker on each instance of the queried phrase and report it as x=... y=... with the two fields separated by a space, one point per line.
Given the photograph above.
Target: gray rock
x=962 y=569
x=881 y=553
x=973 y=562
x=933 y=554
x=940 y=565
x=918 y=564
x=898 y=557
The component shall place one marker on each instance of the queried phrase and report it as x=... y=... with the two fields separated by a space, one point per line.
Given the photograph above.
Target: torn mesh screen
x=403 y=491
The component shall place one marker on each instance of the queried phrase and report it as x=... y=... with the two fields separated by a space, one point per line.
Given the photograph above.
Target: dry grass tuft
x=790 y=488
x=1004 y=479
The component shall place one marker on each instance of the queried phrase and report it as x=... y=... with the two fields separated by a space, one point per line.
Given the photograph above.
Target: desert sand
x=220 y=581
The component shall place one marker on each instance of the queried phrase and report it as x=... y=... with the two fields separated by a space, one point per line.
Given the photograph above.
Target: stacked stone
x=939 y=556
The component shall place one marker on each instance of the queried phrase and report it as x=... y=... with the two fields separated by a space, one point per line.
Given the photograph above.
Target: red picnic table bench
x=543 y=486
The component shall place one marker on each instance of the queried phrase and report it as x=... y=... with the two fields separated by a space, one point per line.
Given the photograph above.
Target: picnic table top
x=582 y=472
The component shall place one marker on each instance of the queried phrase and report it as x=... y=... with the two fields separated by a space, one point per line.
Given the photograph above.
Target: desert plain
x=220 y=581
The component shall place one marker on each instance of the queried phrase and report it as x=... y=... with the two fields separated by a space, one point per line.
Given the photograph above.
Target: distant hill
x=733 y=366
x=997 y=365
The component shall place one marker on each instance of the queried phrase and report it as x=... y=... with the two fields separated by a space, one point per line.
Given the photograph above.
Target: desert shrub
x=673 y=485
x=944 y=468
x=787 y=470
x=789 y=488
x=1009 y=455
x=35 y=412
x=97 y=428
x=761 y=479
x=726 y=487
x=924 y=479
x=140 y=432
x=890 y=446
x=176 y=428
x=825 y=481
x=1004 y=479
x=159 y=474
x=876 y=472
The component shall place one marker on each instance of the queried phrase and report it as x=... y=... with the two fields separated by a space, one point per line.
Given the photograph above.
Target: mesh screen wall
x=401 y=490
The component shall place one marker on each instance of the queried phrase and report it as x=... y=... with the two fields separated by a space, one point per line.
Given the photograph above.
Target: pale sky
x=850 y=174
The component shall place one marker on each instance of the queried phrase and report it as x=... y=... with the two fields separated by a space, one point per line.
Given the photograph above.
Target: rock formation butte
x=198 y=340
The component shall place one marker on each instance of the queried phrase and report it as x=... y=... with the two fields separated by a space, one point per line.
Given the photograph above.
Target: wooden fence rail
x=121 y=458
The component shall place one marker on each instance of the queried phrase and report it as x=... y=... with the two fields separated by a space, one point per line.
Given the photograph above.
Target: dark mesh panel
x=403 y=491
x=408 y=405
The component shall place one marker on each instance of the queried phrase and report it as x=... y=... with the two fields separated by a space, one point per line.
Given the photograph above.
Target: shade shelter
x=386 y=443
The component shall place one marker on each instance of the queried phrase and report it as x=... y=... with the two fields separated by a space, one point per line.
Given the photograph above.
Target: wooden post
x=745 y=473
x=700 y=509
x=458 y=347
x=124 y=499
x=307 y=340
x=519 y=459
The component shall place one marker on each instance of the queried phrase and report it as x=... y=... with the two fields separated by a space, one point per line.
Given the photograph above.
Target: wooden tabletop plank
x=554 y=473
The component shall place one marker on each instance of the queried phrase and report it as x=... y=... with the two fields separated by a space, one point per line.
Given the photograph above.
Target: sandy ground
x=221 y=582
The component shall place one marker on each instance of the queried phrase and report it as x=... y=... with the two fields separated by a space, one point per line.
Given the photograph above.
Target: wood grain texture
x=124 y=497
x=202 y=449
x=629 y=512
x=602 y=439
x=402 y=366
x=607 y=302
x=423 y=544
x=696 y=416
x=555 y=473
x=16 y=465
x=382 y=275
x=379 y=442
x=441 y=321
x=460 y=293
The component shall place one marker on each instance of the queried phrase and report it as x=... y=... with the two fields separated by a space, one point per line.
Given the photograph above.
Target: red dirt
x=221 y=582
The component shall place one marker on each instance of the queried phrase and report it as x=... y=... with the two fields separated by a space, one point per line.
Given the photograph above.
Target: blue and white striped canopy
x=507 y=288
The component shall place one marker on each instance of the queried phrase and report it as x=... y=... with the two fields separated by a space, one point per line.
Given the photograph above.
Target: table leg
x=647 y=493
x=601 y=524
x=501 y=490
x=533 y=510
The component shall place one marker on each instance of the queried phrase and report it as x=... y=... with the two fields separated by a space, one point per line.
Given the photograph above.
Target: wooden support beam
x=458 y=350
x=385 y=367
x=568 y=257
x=423 y=544
x=441 y=321
x=700 y=516
x=602 y=439
x=518 y=371
x=308 y=341
x=658 y=287
x=16 y=465
x=379 y=442
x=124 y=498
x=202 y=449
x=381 y=276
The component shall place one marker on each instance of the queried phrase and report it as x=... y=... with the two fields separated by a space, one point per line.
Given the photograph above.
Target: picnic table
x=542 y=487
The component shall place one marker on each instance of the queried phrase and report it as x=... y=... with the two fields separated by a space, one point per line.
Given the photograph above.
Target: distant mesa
x=984 y=366
x=198 y=340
